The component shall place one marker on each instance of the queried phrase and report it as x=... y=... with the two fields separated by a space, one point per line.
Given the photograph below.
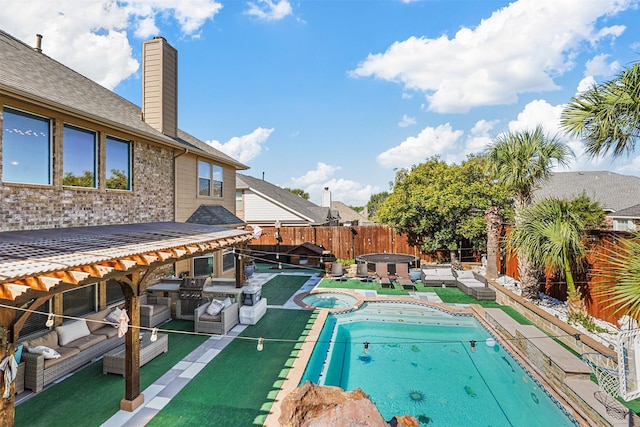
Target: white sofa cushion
x=47 y=352
x=215 y=307
x=465 y=274
x=72 y=331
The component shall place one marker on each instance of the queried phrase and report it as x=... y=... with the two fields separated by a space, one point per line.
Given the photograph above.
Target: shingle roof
x=630 y=212
x=613 y=191
x=36 y=76
x=214 y=215
x=315 y=214
x=349 y=215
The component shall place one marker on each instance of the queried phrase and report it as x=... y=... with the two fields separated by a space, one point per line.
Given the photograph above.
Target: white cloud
x=269 y=10
x=415 y=149
x=90 y=36
x=407 y=121
x=538 y=112
x=244 y=148
x=598 y=66
x=585 y=84
x=518 y=49
x=320 y=174
x=344 y=190
x=478 y=139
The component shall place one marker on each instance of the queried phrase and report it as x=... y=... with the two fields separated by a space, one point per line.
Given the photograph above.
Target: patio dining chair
x=337 y=272
x=362 y=272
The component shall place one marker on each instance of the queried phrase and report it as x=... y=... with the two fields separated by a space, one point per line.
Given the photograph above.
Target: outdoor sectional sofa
x=438 y=276
x=474 y=285
x=78 y=343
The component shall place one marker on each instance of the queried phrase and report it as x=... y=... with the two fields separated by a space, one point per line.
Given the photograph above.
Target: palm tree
x=621 y=279
x=550 y=235
x=521 y=161
x=607 y=116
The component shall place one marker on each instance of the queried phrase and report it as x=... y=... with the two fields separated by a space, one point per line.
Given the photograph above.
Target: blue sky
x=341 y=94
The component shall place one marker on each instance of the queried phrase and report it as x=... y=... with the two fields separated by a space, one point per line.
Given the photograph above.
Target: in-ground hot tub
x=330 y=300
x=390 y=259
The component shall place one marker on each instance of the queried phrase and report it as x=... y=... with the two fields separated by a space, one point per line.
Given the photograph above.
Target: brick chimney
x=160 y=86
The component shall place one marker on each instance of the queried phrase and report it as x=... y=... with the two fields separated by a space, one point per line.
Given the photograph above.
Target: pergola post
x=7 y=406
x=239 y=269
x=132 y=396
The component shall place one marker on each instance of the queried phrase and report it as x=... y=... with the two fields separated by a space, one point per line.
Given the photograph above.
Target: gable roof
x=613 y=191
x=347 y=214
x=34 y=76
x=214 y=215
x=315 y=214
x=630 y=212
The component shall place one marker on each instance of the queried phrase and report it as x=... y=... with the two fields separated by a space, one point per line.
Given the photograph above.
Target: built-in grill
x=190 y=293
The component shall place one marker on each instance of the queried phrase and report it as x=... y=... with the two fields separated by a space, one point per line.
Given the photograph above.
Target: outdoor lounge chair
x=362 y=272
x=337 y=272
x=382 y=275
x=403 y=277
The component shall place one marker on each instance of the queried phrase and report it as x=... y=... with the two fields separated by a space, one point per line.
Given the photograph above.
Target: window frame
x=212 y=266
x=50 y=144
x=129 y=171
x=214 y=187
x=96 y=152
x=226 y=254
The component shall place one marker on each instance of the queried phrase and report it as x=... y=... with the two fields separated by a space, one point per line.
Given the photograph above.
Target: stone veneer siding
x=28 y=207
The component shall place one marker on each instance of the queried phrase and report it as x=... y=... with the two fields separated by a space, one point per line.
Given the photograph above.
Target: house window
x=228 y=260
x=118 y=164
x=204 y=179
x=26 y=148
x=79 y=157
x=203 y=266
x=238 y=200
x=115 y=293
x=209 y=179
x=217 y=181
x=79 y=302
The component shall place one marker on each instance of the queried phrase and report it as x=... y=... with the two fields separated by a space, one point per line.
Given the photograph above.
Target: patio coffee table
x=113 y=361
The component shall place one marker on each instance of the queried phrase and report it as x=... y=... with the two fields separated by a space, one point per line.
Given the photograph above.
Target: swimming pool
x=420 y=361
x=330 y=300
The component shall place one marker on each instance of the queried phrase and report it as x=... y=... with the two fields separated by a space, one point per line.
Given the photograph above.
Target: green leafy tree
x=84 y=180
x=299 y=192
x=439 y=205
x=374 y=203
x=607 y=116
x=358 y=209
x=118 y=180
x=521 y=161
x=551 y=236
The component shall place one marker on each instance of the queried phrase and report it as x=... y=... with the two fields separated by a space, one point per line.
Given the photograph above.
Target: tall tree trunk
x=528 y=273
x=493 y=241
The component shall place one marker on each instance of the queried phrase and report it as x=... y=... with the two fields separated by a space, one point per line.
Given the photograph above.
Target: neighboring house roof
x=214 y=215
x=630 y=212
x=40 y=78
x=613 y=191
x=349 y=215
x=314 y=214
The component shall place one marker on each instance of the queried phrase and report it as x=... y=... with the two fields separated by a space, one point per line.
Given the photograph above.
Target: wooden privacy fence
x=342 y=243
x=593 y=282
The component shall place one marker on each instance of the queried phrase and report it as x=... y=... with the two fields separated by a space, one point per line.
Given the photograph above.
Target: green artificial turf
x=89 y=398
x=278 y=290
x=238 y=387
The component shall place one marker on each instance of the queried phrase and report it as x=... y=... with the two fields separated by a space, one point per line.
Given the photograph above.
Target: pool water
x=330 y=300
x=420 y=362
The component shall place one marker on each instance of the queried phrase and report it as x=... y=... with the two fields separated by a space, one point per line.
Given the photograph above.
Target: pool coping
x=298 y=367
